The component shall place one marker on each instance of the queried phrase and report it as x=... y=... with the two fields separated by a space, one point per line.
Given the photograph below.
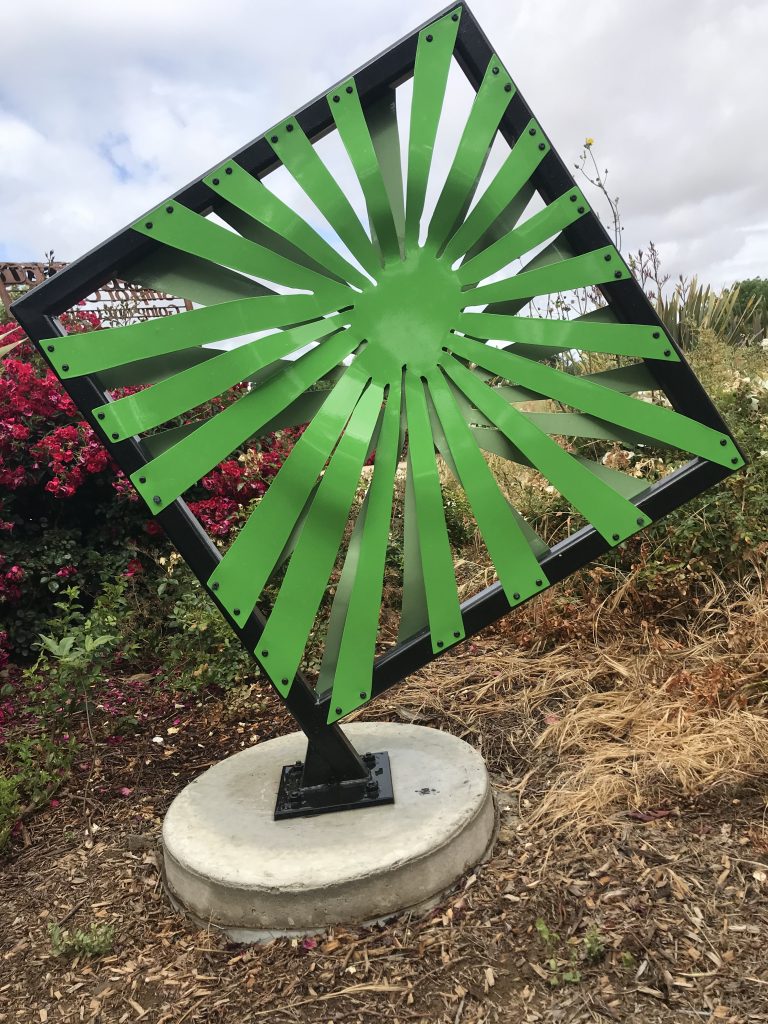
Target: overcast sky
x=105 y=109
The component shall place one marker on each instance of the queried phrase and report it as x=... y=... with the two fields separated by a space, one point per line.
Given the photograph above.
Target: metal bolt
x=284 y=680
x=335 y=99
x=581 y=209
x=456 y=633
x=539 y=583
x=531 y=131
x=235 y=611
x=508 y=87
x=656 y=334
x=169 y=209
x=574 y=198
x=723 y=442
x=65 y=367
x=100 y=415
x=439 y=643
x=215 y=181
x=542 y=145
x=734 y=461
x=516 y=596
x=615 y=536
x=429 y=39
x=289 y=127
x=227 y=170
x=157 y=499
x=142 y=479
x=495 y=71
x=607 y=257
x=454 y=17
x=639 y=520
x=667 y=351
x=363 y=695
x=372 y=786
x=265 y=654
x=115 y=437
x=338 y=711
x=148 y=225
x=617 y=274
x=273 y=138
x=215 y=586
x=50 y=348
x=350 y=90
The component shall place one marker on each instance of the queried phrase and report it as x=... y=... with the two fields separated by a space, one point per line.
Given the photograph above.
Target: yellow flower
x=589 y=142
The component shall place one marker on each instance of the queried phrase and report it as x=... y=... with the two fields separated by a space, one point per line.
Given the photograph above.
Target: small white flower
x=158 y=740
x=764 y=344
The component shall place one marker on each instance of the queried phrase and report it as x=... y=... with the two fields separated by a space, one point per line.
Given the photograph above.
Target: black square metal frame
x=38 y=309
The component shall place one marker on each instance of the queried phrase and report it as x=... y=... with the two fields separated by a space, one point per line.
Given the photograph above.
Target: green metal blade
x=165 y=478
x=505 y=221
x=289 y=625
x=430 y=76
x=244 y=570
x=413 y=610
x=298 y=155
x=176 y=395
x=189 y=277
x=354 y=666
x=511 y=177
x=252 y=197
x=579 y=272
x=537 y=229
x=575 y=424
x=79 y=354
x=150 y=371
x=651 y=420
x=176 y=226
x=610 y=513
x=445 y=622
x=353 y=129
x=518 y=569
x=491 y=101
x=640 y=340
x=381 y=116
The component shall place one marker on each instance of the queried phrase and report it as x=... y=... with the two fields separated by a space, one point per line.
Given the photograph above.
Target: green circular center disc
x=406 y=317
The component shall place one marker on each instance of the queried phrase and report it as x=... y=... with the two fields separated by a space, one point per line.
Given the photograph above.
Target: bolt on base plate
x=297 y=801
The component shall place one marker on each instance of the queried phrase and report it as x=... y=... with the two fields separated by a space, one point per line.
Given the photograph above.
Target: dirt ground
x=648 y=908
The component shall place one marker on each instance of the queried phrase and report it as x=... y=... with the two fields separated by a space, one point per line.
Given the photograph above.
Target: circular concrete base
x=230 y=865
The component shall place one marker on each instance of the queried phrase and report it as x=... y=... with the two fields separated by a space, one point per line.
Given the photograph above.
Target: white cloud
x=105 y=110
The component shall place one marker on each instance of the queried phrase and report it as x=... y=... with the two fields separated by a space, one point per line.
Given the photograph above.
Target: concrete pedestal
x=231 y=866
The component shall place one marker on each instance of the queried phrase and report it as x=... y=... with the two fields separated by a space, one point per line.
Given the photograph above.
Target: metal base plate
x=297 y=801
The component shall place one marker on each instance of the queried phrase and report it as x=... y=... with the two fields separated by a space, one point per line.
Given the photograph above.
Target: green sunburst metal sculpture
x=401 y=338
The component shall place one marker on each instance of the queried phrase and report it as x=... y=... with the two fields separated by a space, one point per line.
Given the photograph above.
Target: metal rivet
x=531 y=131
x=227 y=170
x=169 y=209
x=617 y=274
x=350 y=90
x=235 y=611
x=454 y=17
x=581 y=209
x=516 y=596
x=508 y=87
x=265 y=654
x=456 y=633
x=539 y=583
x=157 y=499
x=639 y=520
x=65 y=367
x=215 y=586
x=100 y=415
x=542 y=145
x=338 y=711
x=363 y=695
x=656 y=334
x=284 y=680
x=607 y=257
x=148 y=225
x=574 y=198
x=495 y=71
x=215 y=181
x=273 y=138
x=115 y=437
x=142 y=479
x=336 y=99
x=289 y=127
x=50 y=348
x=667 y=351
x=429 y=39
x=615 y=536
x=734 y=461
x=439 y=643
x=723 y=442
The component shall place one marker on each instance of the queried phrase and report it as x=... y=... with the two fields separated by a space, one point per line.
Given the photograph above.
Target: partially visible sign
x=116 y=302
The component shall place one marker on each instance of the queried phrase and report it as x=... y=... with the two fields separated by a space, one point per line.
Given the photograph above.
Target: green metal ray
x=354 y=663
x=537 y=229
x=244 y=570
x=252 y=197
x=576 y=424
x=491 y=101
x=180 y=228
x=644 y=417
x=150 y=371
x=288 y=627
x=413 y=609
x=610 y=513
x=518 y=569
x=593 y=268
x=189 y=388
x=190 y=277
x=430 y=77
x=298 y=156
x=78 y=354
x=445 y=622
x=163 y=479
x=353 y=129
x=381 y=117
x=639 y=340
x=512 y=176
x=505 y=221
